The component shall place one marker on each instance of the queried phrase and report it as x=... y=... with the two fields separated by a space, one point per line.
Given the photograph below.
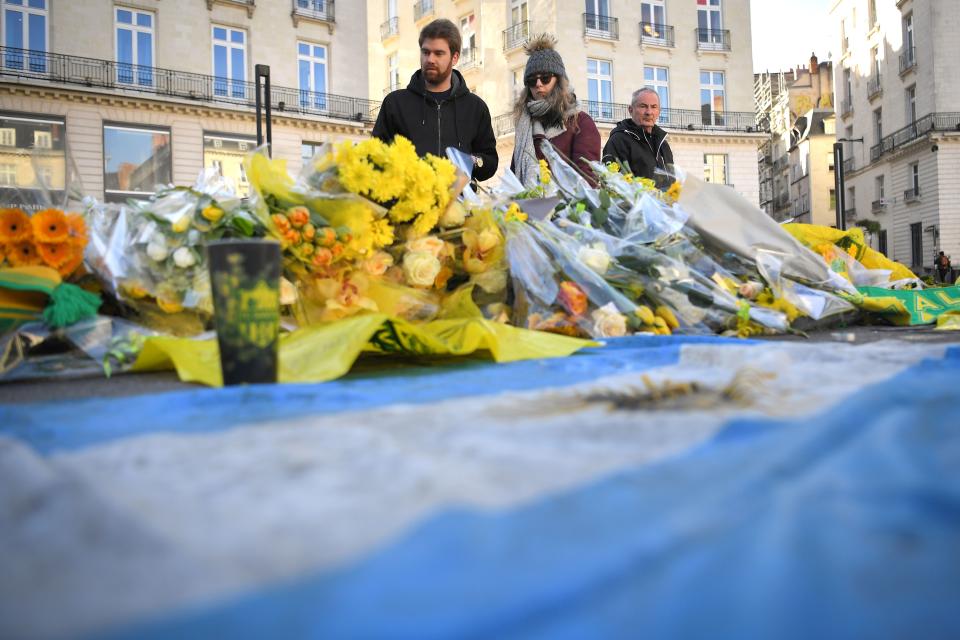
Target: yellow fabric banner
x=327 y=351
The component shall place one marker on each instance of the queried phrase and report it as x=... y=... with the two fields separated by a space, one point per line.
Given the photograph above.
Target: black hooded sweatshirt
x=462 y=120
x=642 y=153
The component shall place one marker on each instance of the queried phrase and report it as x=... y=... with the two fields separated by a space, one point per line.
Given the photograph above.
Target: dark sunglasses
x=544 y=79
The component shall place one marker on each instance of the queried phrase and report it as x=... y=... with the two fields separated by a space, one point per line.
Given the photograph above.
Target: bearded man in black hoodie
x=638 y=143
x=437 y=110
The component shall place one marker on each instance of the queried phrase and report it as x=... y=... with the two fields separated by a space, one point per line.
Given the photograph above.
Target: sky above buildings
x=786 y=32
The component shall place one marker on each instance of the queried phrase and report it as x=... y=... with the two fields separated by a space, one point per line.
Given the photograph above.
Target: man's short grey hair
x=642 y=90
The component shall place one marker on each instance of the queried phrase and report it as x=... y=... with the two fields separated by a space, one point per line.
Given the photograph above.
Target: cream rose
x=454 y=216
x=378 y=263
x=595 y=257
x=428 y=244
x=608 y=322
x=184 y=258
x=157 y=250
x=420 y=268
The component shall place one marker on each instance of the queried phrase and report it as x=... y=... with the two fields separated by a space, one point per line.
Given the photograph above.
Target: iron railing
x=781 y=201
x=516 y=35
x=911 y=195
x=503 y=124
x=874 y=87
x=390 y=28
x=781 y=163
x=923 y=126
x=878 y=205
x=469 y=58
x=690 y=119
x=422 y=9
x=92 y=72
x=849 y=164
x=599 y=26
x=713 y=39
x=315 y=9
x=846 y=107
x=850 y=214
x=908 y=60
x=660 y=35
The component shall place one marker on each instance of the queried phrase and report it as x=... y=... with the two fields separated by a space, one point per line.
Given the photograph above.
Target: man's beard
x=437 y=75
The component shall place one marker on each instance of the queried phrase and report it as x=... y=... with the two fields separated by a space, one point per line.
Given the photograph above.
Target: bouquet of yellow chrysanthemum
x=49 y=237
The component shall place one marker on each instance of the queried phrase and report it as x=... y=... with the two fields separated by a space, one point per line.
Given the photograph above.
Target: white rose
x=421 y=268
x=493 y=281
x=608 y=322
x=157 y=251
x=184 y=258
x=595 y=257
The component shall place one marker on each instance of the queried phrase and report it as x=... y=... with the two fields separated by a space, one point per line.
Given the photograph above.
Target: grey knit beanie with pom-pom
x=543 y=58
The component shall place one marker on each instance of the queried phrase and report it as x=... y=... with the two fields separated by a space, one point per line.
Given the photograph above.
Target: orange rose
x=326 y=237
x=572 y=298
x=299 y=216
x=308 y=232
x=322 y=257
x=281 y=222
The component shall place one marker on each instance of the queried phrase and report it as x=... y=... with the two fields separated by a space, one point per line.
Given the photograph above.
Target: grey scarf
x=525 y=163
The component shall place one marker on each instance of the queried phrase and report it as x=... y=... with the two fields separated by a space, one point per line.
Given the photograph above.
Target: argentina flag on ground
x=656 y=487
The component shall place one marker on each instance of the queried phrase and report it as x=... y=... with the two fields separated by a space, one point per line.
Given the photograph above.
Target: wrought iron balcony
x=874 y=87
x=422 y=9
x=713 y=39
x=911 y=195
x=684 y=119
x=319 y=10
x=914 y=130
x=849 y=165
x=908 y=60
x=390 y=28
x=516 y=35
x=846 y=107
x=657 y=35
x=469 y=59
x=598 y=26
x=878 y=205
x=503 y=124
x=58 y=69
x=850 y=214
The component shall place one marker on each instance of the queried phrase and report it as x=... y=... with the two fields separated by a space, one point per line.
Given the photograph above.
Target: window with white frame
x=653 y=12
x=25 y=26
x=393 y=71
x=135 y=160
x=312 y=70
x=42 y=140
x=914 y=177
x=911 y=104
x=308 y=150
x=878 y=125
x=908 y=49
x=600 y=88
x=712 y=97
x=710 y=22
x=8 y=137
x=229 y=62
x=597 y=15
x=518 y=12
x=8 y=175
x=658 y=78
x=226 y=154
x=468 y=38
x=715 y=168
x=134 y=46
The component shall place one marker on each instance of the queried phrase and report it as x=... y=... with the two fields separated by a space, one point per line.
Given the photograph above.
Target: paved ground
x=89 y=384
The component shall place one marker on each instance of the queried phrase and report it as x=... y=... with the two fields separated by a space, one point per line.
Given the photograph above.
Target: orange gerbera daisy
x=50 y=225
x=14 y=226
x=23 y=254
x=73 y=261
x=78 y=229
x=54 y=254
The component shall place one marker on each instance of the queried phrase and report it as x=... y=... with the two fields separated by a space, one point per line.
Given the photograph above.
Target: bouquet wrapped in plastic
x=150 y=254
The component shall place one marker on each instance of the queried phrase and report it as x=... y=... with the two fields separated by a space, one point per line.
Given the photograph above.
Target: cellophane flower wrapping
x=151 y=254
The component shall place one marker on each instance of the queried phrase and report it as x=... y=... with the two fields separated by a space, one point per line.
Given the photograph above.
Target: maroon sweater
x=579 y=141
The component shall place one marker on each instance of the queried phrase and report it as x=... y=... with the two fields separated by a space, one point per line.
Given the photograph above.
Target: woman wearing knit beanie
x=547 y=110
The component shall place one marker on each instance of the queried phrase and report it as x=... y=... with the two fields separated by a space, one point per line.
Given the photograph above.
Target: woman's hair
x=561 y=100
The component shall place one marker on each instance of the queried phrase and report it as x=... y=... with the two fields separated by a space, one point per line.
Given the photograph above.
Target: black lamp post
x=840 y=196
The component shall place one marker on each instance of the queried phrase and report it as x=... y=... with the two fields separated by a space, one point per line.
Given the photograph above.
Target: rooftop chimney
x=814 y=65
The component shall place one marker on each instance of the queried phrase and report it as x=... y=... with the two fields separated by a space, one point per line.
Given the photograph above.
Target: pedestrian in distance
x=944 y=270
x=547 y=109
x=437 y=109
x=638 y=143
